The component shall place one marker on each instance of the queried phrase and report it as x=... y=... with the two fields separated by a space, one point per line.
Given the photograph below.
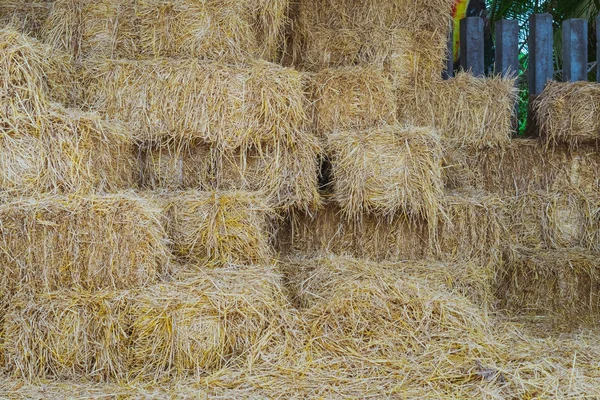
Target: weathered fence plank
x=575 y=49
x=471 y=45
x=449 y=69
x=541 y=67
x=507 y=47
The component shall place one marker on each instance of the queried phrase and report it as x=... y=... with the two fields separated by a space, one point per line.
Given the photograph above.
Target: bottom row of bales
x=328 y=325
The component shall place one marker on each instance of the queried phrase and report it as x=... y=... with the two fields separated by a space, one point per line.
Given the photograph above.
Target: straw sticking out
x=387 y=170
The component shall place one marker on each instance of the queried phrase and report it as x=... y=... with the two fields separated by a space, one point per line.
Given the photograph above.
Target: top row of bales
x=405 y=38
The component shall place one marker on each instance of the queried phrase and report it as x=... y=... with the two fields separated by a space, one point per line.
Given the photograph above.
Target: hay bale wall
x=565 y=113
x=387 y=170
x=136 y=29
x=93 y=242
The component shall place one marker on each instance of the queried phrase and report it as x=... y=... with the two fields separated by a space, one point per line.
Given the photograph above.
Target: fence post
x=598 y=48
x=449 y=69
x=575 y=50
x=471 y=45
x=507 y=47
x=541 y=67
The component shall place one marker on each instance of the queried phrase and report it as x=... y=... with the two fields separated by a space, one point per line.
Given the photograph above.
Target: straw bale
x=25 y=16
x=566 y=113
x=404 y=55
x=216 y=319
x=473 y=112
x=429 y=15
x=350 y=98
x=472 y=228
x=287 y=177
x=373 y=311
x=186 y=100
x=217 y=228
x=137 y=29
x=67 y=335
x=552 y=220
x=521 y=166
x=92 y=242
x=72 y=152
x=327 y=230
x=341 y=33
x=387 y=170
x=469 y=279
x=186 y=328
x=555 y=281
x=31 y=74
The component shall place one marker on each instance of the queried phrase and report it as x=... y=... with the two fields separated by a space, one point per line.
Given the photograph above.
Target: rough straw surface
x=566 y=113
x=192 y=327
x=350 y=98
x=472 y=112
x=387 y=170
x=563 y=282
x=25 y=16
x=92 y=242
x=228 y=105
x=134 y=29
x=218 y=228
x=406 y=39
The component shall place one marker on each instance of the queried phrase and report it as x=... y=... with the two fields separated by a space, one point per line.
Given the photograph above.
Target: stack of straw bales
x=551 y=266
x=191 y=327
x=133 y=29
x=207 y=124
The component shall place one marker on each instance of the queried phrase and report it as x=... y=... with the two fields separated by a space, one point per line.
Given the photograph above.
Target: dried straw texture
x=186 y=100
x=387 y=170
x=566 y=113
x=469 y=279
x=25 y=16
x=218 y=228
x=407 y=39
x=350 y=98
x=67 y=335
x=72 y=152
x=31 y=74
x=564 y=282
x=376 y=312
x=217 y=319
x=136 y=29
x=553 y=220
x=473 y=112
x=193 y=327
x=94 y=242
x=286 y=176
x=473 y=228
x=523 y=165
x=328 y=231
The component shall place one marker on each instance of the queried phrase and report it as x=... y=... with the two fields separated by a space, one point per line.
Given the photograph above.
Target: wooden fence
x=541 y=63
